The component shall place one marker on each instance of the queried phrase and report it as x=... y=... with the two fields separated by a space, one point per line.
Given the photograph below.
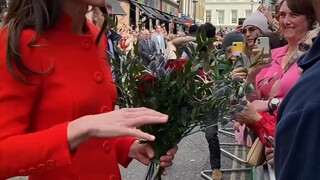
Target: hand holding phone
x=263 y=44
x=237 y=48
x=269 y=139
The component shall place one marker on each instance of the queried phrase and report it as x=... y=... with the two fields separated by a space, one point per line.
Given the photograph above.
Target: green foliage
x=191 y=97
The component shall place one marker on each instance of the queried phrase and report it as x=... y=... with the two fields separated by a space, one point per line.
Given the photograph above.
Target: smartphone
x=240 y=21
x=237 y=47
x=263 y=44
x=269 y=140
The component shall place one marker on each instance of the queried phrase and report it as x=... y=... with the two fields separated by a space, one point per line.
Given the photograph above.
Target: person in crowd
x=283 y=71
x=182 y=41
x=58 y=97
x=159 y=40
x=140 y=35
x=147 y=48
x=297 y=133
x=193 y=30
x=171 y=49
x=228 y=40
x=181 y=34
x=112 y=36
x=3 y=15
x=253 y=27
x=122 y=43
x=211 y=133
x=263 y=123
x=275 y=77
x=131 y=41
x=273 y=22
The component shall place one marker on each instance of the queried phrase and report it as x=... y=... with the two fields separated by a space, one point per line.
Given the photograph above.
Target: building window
x=248 y=13
x=234 y=16
x=220 y=16
x=208 y=16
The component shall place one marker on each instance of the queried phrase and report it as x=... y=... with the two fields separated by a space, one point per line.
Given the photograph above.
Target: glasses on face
x=250 y=29
x=304 y=47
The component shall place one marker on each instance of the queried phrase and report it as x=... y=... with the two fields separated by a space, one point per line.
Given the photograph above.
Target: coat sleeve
x=265 y=126
x=123 y=146
x=23 y=152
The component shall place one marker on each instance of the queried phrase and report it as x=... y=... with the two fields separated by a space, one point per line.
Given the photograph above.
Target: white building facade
x=226 y=13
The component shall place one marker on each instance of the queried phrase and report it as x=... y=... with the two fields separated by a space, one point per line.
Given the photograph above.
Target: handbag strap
x=290 y=63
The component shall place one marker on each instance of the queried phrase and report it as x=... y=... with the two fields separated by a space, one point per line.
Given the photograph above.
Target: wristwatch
x=273 y=104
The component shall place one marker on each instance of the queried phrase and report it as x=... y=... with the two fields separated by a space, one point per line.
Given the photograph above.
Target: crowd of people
x=80 y=136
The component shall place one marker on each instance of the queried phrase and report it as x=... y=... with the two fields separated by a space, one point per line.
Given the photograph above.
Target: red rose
x=176 y=65
x=147 y=79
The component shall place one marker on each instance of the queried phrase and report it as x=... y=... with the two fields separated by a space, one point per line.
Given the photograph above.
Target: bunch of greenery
x=196 y=94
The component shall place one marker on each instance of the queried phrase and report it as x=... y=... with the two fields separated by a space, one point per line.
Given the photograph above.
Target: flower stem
x=154 y=171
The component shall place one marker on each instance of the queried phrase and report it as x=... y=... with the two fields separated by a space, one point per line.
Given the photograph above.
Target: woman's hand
x=123 y=122
x=144 y=154
x=248 y=116
x=264 y=62
x=236 y=126
x=239 y=29
x=266 y=11
x=269 y=155
x=240 y=72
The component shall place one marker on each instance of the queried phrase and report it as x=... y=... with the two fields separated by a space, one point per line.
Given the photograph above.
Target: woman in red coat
x=54 y=84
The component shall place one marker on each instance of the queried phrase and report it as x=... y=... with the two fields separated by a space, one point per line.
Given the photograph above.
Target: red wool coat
x=34 y=119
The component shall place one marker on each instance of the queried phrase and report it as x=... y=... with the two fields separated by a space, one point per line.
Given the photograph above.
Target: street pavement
x=192 y=158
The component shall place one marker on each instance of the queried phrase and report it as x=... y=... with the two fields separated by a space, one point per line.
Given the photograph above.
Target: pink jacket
x=268 y=76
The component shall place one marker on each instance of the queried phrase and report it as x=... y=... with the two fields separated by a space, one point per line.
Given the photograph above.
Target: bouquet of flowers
x=194 y=93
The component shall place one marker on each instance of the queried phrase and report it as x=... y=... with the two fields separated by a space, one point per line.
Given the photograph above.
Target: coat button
x=104 y=109
x=98 y=77
x=85 y=44
x=23 y=172
x=112 y=177
x=51 y=163
x=32 y=170
x=42 y=167
x=106 y=146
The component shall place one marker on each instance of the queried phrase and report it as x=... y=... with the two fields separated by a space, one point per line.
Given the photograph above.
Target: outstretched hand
x=266 y=11
x=123 y=122
x=248 y=116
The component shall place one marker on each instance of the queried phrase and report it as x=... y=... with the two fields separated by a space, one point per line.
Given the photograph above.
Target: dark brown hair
x=301 y=7
x=304 y=9
x=38 y=15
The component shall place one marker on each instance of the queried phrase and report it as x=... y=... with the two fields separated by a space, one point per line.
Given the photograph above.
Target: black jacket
x=145 y=51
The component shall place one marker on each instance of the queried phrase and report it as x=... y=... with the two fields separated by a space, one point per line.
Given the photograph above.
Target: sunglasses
x=304 y=47
x=250 y=29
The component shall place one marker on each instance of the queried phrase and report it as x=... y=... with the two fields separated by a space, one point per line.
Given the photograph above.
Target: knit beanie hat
x=257 y=19
x=231 y=37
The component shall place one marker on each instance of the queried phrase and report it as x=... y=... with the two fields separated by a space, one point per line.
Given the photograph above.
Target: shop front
x=147 y=14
